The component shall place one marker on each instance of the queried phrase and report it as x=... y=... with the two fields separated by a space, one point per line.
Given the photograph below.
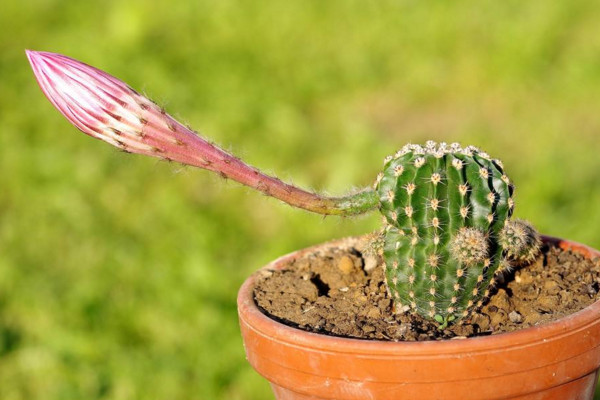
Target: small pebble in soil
x=515 y=317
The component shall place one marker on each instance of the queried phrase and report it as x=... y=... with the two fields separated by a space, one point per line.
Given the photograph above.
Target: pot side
x=556 y=360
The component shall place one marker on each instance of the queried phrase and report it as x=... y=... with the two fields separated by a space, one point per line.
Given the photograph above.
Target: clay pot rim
x=251 y=315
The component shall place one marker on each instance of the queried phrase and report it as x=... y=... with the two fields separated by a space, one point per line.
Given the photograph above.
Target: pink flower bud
x=108 y=109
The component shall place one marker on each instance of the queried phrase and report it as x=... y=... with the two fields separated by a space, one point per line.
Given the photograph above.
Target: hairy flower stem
x=106 y=108
x=230 y=167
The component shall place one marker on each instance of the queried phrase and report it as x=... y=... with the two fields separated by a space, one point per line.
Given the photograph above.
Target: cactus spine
x=446 y=211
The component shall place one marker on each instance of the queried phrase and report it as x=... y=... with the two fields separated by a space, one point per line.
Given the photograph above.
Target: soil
x=333 y=293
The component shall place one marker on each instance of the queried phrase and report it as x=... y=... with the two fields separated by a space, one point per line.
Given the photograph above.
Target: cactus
x=446 y=208
x=447 y=233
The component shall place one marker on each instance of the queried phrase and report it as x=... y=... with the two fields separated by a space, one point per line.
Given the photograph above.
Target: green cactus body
x=444 y=209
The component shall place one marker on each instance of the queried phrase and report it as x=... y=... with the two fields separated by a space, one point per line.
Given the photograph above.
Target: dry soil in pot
x=332 y=293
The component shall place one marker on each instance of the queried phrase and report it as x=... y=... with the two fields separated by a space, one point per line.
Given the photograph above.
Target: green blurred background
x=118 y=273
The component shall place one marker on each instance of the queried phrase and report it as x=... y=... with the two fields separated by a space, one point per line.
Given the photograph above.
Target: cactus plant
x=447 y=229
x=448 y=232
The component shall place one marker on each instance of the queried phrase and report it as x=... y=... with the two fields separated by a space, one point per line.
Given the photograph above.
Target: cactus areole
x=447 y=230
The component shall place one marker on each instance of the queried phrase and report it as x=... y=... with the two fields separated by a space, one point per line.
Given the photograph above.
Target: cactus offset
x=521 y=242
x=446 y=208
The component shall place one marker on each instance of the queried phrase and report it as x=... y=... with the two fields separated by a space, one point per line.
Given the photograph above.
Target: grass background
x=118 y=274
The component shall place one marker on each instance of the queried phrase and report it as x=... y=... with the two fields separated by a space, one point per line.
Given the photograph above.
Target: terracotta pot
x=557 y=360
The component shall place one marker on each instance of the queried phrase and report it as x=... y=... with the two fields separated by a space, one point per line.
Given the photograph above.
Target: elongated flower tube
x=106 y=108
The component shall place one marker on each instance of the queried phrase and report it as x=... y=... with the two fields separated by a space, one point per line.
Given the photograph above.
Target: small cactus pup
x=448 y=231
x=446 y=208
